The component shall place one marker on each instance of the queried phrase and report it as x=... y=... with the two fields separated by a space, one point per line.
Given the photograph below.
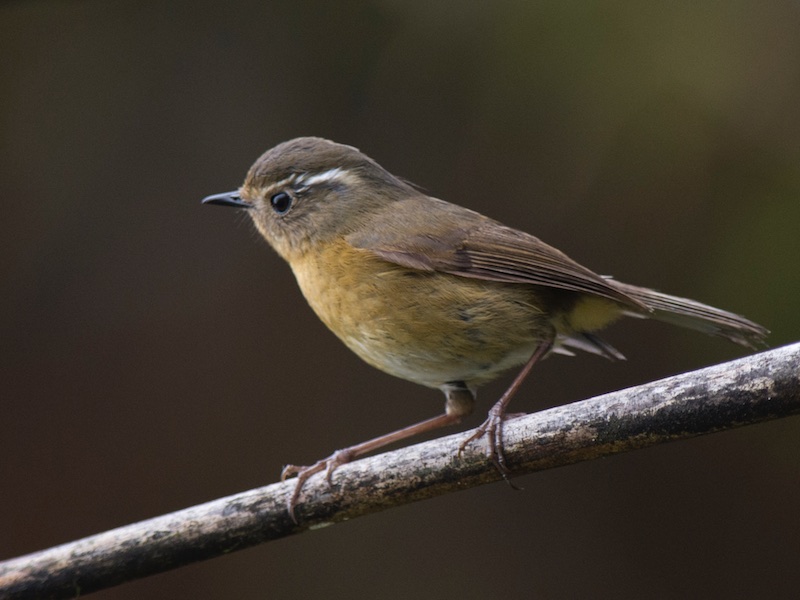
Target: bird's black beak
x=227 y=199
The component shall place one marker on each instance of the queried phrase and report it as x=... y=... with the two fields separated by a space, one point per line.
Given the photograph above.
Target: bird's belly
x=427 y=327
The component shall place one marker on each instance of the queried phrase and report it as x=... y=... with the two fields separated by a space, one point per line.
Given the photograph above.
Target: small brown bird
x=433 y=292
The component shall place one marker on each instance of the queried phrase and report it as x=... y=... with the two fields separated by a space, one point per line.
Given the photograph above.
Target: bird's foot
x=492 y=429
x=303 y=473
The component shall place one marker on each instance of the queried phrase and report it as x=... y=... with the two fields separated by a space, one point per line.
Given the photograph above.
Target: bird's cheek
x=262 y=226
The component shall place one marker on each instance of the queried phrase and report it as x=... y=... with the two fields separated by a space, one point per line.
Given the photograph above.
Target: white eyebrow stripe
x=337 y=174
x=288 y=181
x=283 y=182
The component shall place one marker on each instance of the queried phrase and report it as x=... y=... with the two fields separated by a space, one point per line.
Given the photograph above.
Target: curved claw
x=328 y=465
x=303 y=473
x=492 y=428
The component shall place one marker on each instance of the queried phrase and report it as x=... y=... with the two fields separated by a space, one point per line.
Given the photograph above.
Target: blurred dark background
x=155 y=354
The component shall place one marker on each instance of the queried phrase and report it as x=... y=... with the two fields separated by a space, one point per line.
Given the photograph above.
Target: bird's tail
x=696 y=315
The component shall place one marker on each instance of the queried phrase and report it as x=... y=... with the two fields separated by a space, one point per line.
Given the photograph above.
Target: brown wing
x=452 y=239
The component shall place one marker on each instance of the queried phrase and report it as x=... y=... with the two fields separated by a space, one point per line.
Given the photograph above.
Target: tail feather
x=696 y=315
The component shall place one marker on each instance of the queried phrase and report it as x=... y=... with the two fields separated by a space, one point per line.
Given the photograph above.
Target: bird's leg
x=492 y=427
x=460 y=401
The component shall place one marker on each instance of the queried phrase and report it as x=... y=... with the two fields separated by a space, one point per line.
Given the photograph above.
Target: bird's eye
x=281 y=202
